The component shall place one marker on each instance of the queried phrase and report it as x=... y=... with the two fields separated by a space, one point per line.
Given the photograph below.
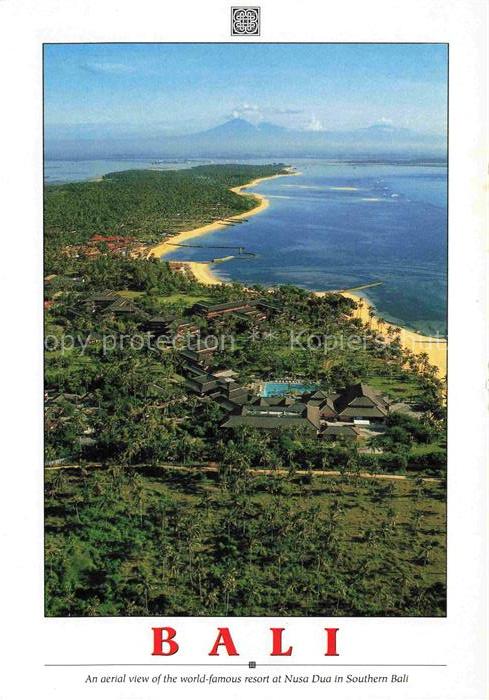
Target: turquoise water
x=282 y=388
x=337 y=226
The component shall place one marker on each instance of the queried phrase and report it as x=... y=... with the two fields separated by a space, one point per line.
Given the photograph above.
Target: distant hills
x=240 y=138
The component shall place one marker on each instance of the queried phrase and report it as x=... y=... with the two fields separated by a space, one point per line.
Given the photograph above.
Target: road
x=257 y=471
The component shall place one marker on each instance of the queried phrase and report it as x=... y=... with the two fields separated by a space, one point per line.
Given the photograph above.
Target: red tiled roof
x=98 y=238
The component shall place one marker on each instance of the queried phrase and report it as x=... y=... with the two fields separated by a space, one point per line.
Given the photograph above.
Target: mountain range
x=240 y=138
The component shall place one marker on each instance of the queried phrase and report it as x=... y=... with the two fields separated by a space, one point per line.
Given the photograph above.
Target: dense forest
x=123 y=542
x=151 y=508
x=147 y=204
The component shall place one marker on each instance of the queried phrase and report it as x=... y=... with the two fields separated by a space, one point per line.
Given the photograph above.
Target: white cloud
x=256 y=113
x=247 y=111
x=314 y=124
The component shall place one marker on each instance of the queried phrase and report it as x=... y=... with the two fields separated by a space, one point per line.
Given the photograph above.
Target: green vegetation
x=147 y=204
x=183 y=300
x=177 y=543
x=402 y=388
x=147 y=533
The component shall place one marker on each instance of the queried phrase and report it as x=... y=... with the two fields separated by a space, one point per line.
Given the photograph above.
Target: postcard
x=250 y=443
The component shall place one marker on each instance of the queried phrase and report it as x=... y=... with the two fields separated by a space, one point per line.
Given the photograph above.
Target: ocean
x=338 y=226
x=57 y=172
x=334 y=226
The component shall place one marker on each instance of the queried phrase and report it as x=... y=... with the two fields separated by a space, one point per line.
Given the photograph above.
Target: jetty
x=359 y=287
x=223 y=259
x=217 y=247
x=242 y=252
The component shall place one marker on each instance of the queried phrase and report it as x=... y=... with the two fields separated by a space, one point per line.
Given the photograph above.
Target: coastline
x=435 y=348
x=203 y=273
x=166 y=246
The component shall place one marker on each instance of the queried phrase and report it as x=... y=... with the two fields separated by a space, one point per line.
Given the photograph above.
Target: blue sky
x=131 y=89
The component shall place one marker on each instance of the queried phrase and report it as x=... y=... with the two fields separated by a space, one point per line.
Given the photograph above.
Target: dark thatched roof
x=360 y=397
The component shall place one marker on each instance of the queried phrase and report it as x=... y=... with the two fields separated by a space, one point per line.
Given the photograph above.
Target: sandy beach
x=167 y=245
x=435 y=348
x=203 y=273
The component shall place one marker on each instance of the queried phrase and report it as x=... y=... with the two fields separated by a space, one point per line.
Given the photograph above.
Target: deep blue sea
x=334 y=226
x=337 y=226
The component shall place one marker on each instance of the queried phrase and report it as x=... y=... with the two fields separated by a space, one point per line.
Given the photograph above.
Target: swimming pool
x=281 y=388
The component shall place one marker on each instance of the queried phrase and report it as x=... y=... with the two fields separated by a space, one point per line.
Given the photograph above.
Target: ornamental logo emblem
x=245 y=21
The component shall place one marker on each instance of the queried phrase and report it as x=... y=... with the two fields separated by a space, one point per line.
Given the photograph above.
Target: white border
x=27 y=639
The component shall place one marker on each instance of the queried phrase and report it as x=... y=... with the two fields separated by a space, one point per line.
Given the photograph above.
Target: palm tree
x=371 y=314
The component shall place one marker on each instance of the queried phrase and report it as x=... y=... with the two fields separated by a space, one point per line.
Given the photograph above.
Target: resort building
x=171 y=327
x=298 y=415
x=110 y=302
x=197 y=355
x=273 y=401
x=202 y=384
x=254 y=309
x=101 y=300
x=123 y=307
x=230 y=394
x=114 y=244
x=324 y=402
x=103 y=245
x=214 y=310
x=328 y=415
x=357 y=404
x=336 y=431
x=224 y=390
x=224 y=373
x=335 y=415
x=361 y=405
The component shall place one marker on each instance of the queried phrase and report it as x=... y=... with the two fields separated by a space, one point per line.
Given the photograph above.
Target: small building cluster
x=174 y=328
x=111 y=303
x=182 y=268
x=254 y=310
x=100 y=245
x=327 y=415
x=170 y=326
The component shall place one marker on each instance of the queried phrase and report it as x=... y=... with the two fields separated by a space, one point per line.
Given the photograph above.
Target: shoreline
x=203 y=273
x=166 y=246
x=417 y=343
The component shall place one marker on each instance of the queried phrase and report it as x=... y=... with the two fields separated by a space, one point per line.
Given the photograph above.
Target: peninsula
x=259 y=201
